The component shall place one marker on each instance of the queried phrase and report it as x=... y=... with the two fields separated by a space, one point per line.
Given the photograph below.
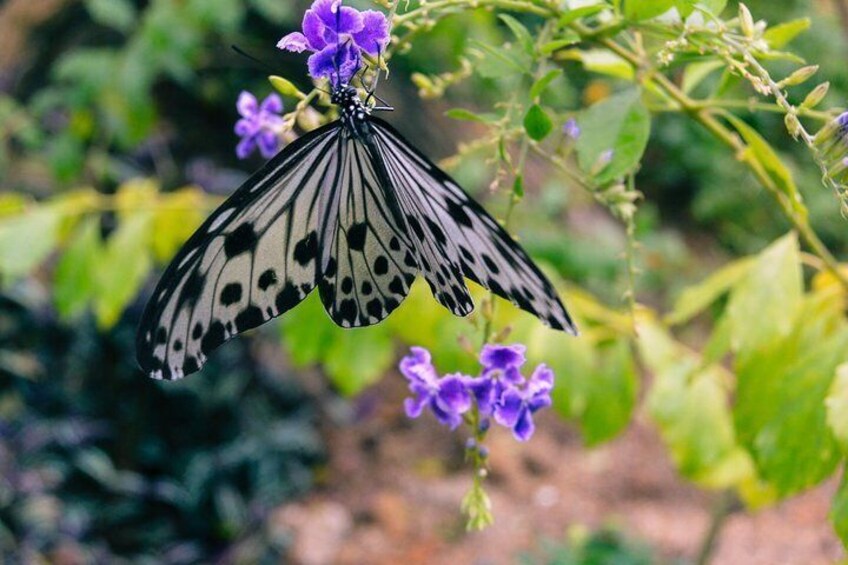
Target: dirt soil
x=392 y=489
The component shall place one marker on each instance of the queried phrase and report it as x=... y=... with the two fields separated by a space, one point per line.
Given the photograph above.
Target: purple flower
x=517 y=404
x=259 y=125
x=337 y=36
x=501 y=364
x=447 y=397
x=571 y=129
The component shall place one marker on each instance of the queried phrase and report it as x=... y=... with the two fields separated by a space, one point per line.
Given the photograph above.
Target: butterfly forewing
x=254 y=258
x=465 y=233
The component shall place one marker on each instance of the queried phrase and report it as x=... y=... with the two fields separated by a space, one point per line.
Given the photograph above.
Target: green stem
x=707 y=119
x=722 y=508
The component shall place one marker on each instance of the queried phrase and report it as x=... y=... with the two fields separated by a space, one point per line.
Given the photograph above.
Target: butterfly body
x=351 y=208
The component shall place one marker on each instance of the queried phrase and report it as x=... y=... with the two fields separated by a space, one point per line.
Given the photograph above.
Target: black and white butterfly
x=353 y=209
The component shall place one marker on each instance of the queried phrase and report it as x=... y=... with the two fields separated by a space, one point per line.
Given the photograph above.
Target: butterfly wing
x=368 y=264
x=254 y=258
x=465 y=237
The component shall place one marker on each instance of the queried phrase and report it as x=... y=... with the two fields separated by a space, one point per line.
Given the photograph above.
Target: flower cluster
x=260 y=125
x=501 y=392
x=338 y=36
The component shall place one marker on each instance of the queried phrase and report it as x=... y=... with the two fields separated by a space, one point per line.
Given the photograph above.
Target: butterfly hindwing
x=370 y=267
x=254 y=258
x=464 y=233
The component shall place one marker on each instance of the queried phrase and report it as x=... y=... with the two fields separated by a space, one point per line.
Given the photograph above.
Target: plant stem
x=704 y=116
x=721 y=510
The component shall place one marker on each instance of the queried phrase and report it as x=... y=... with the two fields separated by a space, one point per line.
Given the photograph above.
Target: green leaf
x=694 y=299
x=518 y=187
x=600 y=61
x=696 y=72
x=765 y=301
x=352 y=359
x=467 y=115
x=839 y=511
x=620 y=123
x=540 y=85
x=178 y=215
x=640 y=10
x=837 y=406
x=570 y=38
x=595 y=384
x=117 y=14
x=575 y=14
x=537 y=124
x=780 y=410
x=501 y=62
x=75 y=282
x=520 y=32
x=358 y=358
x=27 y=239
x=690 y=405
x=124 y=264
x=715 y=7
x=780 y=35
x=765 y=156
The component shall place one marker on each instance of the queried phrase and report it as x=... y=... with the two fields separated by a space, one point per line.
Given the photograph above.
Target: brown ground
x=393 y=490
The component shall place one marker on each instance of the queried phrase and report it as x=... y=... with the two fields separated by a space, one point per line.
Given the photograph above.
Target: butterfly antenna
x=250 y=57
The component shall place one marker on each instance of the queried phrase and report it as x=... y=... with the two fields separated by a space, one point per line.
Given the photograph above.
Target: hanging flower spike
x=337 y=36
x=447 y=397
x=517 y=404
x=259 y=125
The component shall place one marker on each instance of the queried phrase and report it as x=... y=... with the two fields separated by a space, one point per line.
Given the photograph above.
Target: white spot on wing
x=220 y=219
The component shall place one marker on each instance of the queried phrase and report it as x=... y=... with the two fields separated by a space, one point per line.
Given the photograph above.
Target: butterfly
x=352 y=208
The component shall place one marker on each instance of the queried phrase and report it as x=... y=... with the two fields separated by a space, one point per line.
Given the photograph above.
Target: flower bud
x=792 y=125
x=800 y=76
x=746 y=21
x=816 y=95
x=285 y=87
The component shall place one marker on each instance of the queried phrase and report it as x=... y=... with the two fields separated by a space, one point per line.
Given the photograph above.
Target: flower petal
x=313 y=29
x=272 y=105
x=483 y=389
x=245 y=147
x=374 y=36
x=246 y=127
x=268 y=143
x=453 y=396
x=414 y=406
x=452 y=419
x=524 y=426
x=337 y=62
x=508 y=408
x=339 y=19
x=294 y=41
x=502 y=356
x=246 y=104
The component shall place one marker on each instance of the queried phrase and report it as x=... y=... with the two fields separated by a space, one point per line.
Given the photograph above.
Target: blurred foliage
x=116 y=137
x=99 y=464
x=606 y=546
